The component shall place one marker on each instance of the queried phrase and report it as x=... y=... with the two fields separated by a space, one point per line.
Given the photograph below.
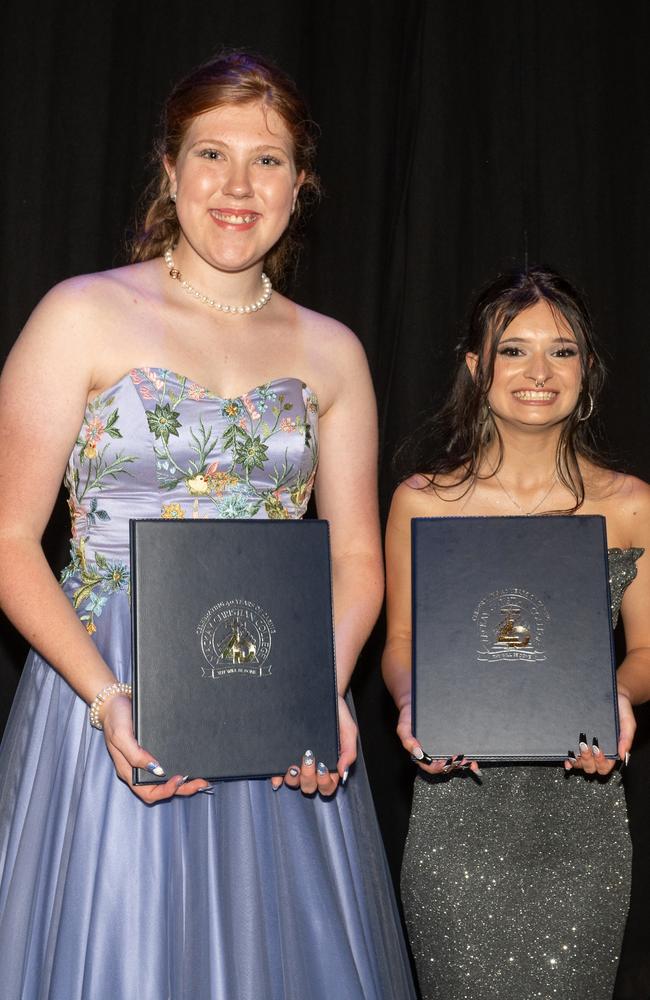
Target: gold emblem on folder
x=235 y=638
x=511 y=625
x=511 y=633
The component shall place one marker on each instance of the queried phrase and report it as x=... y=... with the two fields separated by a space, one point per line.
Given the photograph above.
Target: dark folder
x=512 y=640
x=233 y=650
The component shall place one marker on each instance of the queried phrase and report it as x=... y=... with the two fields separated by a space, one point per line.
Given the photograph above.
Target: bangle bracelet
x=104 y=695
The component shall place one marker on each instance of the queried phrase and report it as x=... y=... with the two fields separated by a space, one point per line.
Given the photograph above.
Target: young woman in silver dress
x=515 y=879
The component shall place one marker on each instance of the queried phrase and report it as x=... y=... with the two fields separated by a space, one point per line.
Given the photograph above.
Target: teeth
x=235 y=218
x=531 y=394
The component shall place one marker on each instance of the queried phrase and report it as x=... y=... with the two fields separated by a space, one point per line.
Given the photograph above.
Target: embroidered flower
x=196 y=391
x=114 y=576
x=265 y=395
x=96 y=603
x=312 y=403
x=163 y=422
x=172 y=512
x=250 y=406
x=287 y=425
x=217 y=481
x=94 y=430
x=236 y=506
x=91 y=628
x=150 y=373
x=232 y=409
x=251 y=452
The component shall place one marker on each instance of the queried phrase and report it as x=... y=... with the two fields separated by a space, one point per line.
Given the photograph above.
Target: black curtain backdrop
x=458 y=137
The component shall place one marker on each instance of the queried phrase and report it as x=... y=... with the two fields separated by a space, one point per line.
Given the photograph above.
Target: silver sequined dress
x=517 y=888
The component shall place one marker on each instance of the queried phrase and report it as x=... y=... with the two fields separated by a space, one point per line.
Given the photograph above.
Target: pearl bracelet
x=104 y=695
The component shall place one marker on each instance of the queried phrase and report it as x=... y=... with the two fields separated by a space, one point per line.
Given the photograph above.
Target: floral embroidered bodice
x=157 y=444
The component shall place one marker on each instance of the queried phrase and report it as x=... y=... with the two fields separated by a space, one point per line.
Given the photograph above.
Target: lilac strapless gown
x=238 y=894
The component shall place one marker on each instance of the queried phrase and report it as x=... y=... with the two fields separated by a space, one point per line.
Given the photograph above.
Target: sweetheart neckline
x=178 y=376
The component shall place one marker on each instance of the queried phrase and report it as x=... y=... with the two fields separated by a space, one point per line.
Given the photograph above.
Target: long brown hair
x=465 y=423
x=230 y=78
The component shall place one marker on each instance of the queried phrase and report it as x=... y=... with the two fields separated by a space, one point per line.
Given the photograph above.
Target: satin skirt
x=241 y=894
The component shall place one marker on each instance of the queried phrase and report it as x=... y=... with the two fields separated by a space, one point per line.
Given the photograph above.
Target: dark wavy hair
x=237 y=77
x=453 y=440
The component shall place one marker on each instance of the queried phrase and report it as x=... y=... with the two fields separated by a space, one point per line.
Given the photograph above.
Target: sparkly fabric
x=517 y=887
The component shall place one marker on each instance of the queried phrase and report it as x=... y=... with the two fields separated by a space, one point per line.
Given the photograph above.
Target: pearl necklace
x=253 y=307
x=526 y=513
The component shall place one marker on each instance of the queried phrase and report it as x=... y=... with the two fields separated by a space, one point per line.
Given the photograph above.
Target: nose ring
x=539 y=383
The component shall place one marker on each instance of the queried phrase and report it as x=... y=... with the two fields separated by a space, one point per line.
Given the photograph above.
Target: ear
x=170 y=170
x=471 y=360
x=300 y=180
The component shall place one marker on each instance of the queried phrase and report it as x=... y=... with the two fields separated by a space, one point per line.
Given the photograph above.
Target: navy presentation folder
x=233 y=649
x=513 y=655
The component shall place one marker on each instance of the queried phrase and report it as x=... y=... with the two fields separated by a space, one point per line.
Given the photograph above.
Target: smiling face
x=537 y=375
x=236 y=184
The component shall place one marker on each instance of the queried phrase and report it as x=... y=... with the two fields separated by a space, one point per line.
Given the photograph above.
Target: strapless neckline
x=178 y=378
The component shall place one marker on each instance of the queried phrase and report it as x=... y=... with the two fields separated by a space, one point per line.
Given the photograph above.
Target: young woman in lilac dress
x=183 y=386
x=515 y=884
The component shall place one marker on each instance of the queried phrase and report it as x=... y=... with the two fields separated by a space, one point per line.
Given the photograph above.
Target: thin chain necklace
x=267 y=289
x=526 y=513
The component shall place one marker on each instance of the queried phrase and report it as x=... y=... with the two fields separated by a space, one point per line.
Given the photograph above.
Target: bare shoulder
x=329 y=339
x=91 y=297
x=633 y=496
x=625 y=502
x=416 y=497
x=75 y=323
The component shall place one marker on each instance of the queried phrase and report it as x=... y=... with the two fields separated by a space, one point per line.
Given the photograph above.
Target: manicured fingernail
x=181 y=781
x=426 y=759
x=154 y=768
x=478 y=772
x=571 y=755
x=308 y=758
x=346 y=775
x=294 y=772
x=595 y=749
x=418 y=753
x=583 y=743
x=322 y=768
x=627 y=757
x=276 y=787
x=207 y=790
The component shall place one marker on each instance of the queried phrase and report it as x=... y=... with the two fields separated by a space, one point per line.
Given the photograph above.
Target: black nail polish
x=426 y=759
x=595 y=742
x=582 y=738
x=571 y=755
x=449 y=761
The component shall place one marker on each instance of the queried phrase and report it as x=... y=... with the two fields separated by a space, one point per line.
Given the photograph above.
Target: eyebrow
x=526 y=340
x=255 y=149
